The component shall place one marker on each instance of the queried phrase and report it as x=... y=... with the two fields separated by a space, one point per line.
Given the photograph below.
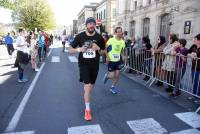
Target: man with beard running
x=89 y=44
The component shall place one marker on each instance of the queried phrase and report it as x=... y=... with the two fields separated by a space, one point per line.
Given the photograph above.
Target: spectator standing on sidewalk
x=22 y=55
x=180 y=52
x=40 y=46
x=159 y=57
x=28 y=38
x=34 y=51
x=195 y=55
x=146 y=57
x=169 y=62
x=51 y=39
x=9 y=44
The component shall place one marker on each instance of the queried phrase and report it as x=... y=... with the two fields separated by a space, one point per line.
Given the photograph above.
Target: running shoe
x=113 y=90
x=20 y=81
x=88 y=116
x=37 y=69
x=24 y=79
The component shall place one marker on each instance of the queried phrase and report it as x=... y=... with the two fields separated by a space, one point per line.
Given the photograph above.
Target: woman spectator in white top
x=169 y=62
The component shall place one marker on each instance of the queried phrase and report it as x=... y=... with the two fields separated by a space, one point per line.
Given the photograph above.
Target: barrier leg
x=197 y=110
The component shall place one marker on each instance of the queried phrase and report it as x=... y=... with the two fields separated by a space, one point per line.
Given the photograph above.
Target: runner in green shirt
x=115 y=47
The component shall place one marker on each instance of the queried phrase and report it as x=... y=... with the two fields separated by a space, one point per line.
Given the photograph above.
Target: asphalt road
x=56 y=105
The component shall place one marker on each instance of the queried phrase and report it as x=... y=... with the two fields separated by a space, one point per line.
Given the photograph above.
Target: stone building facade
x=159 y=17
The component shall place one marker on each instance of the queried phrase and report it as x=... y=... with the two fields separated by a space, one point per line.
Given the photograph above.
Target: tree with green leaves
x=31 y=14
x=6 y=4
x=2 y=30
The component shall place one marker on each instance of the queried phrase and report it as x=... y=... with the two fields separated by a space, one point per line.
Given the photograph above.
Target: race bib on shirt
x=89 y=54
x=116 y=57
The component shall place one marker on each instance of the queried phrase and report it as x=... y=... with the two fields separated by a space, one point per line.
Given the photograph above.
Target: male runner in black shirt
x=89 y=44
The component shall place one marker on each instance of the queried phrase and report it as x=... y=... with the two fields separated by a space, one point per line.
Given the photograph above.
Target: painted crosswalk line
x=66 y=50
x=67 y=45
x=146 y=126
x=73 y=59
x=191 y=118
x=189 y=131
x=25 y=132
x=55 y=59
x=90 y=129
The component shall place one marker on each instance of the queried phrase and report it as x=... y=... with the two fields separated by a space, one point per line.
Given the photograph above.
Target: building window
x=104 y=28
x=114 y=12
x=146 y=26
x=101 y=15
x=135 y=4
x=132 y=28
x=149 y=2
x=104 y=14
x=164 y=25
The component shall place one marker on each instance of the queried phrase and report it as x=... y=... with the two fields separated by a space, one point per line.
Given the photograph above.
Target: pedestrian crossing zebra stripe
x=73 y=59
x=189 y=131
x=190 y=118
x=146 y=126
x=141 y=126
x=25 y=132
x=55 y=59
x=90 y=129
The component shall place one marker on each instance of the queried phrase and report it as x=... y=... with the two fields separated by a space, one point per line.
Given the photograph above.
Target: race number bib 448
x=116 y=56
x=89 y=54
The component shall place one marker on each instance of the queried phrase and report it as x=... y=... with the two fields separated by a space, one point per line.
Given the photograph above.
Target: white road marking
x=15 y=119
x=49 y=52
x=146 y=126
x=191 y=118
x=3 y=79
x=73 y=59
x=55 y=59
x=189 y=131
x=90 y=129
x=67 y=45
x=25 y=132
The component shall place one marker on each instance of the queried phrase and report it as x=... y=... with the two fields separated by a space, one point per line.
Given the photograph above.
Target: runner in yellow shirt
x=115 y=47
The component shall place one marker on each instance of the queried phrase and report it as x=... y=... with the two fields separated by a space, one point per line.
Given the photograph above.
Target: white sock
x=87 y=106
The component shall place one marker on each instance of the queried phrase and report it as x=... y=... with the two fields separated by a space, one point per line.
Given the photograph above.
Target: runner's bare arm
x=106 y=53
x=123 y=55
x=76 y=50
x=102 y=52
x=95 y=47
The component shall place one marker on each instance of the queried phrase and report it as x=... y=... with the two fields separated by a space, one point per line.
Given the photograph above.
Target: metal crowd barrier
x=180 y=72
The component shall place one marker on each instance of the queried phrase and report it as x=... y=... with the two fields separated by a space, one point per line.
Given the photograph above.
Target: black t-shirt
x=89 y=56
x=195 y=62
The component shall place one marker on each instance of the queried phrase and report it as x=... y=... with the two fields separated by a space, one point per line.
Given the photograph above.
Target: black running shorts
x=113 y=66
x=88 y=73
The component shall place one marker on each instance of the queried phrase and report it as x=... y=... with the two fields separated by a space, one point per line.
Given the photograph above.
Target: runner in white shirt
x=63 y=39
